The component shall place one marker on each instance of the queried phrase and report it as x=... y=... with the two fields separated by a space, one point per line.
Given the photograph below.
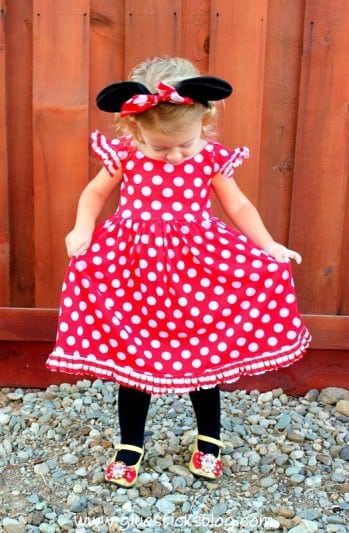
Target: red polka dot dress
x=168 y=298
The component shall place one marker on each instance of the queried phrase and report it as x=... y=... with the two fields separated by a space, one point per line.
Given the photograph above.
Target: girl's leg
x=133 y=408
x=206 y=405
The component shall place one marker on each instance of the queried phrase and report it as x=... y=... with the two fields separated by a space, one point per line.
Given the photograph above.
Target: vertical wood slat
x=321 y=165
x=4 y=227
x=195 y=34
x=279 y=114
x=107 y=36
x=60 y=118
x=237 y=53
x=19 y=42
x=152 y=28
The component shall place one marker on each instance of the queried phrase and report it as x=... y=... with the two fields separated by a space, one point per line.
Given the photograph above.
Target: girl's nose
x=174 y=155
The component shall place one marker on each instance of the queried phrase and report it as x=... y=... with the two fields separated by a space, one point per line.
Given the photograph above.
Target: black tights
x=133 y=409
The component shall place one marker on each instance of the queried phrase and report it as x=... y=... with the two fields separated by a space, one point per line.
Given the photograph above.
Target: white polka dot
x=68 y=302
x=146 y=190
x=167 y=192
x=215 y=359
x=272 y=341
x=222 y=346
x=178 y=182
x=253 y=347
x=284 y=312
x=177 y=206
x=188 y=168
x=272 y=304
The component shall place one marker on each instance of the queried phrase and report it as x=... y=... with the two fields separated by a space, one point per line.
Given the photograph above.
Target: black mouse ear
x=204 y=88
x=112 y=97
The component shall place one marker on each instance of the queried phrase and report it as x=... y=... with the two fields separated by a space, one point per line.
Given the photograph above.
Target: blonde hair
x=166 y=117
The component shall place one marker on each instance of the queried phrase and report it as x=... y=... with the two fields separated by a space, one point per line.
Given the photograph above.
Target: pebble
x=285 y=463
x=343 y=407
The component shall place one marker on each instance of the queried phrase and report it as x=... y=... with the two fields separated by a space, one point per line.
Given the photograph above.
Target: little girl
x=164 y=297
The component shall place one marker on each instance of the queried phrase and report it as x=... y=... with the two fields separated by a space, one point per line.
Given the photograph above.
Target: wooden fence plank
x=19 y=44
x=240 y=27
x=321 y=164
x=279 y=114
x=152 y=28
x=195 y=34
x=61 y=48
x=4 y=227
x=107 y=66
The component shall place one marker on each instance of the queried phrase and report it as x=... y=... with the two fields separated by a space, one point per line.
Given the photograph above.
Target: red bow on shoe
x=208 y=463
x=142 y=102
x=118 y=470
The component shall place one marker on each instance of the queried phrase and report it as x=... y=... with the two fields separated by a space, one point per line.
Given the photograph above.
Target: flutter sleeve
x=231 y=159
x=110 y=151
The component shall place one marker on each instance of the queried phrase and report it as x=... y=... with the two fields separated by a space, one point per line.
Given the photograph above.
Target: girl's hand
x=77 y=241
x=281 y=253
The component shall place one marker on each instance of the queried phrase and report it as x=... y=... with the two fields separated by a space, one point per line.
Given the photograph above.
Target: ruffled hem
x=161 y=385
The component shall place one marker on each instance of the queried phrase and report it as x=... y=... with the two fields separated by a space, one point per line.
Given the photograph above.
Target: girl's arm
x=247 y=219
x=91 y=202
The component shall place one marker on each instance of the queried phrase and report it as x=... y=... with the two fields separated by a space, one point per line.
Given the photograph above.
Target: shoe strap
x=130 y=448
x=211 y=440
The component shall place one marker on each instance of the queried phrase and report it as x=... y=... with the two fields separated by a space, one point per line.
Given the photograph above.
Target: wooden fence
x=288 y=63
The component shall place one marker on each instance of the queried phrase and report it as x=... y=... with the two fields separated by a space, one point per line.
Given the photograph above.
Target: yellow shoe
x=119 y=473
x=206 y=464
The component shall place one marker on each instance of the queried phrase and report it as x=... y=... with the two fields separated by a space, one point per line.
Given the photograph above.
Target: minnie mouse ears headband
x=130 y=97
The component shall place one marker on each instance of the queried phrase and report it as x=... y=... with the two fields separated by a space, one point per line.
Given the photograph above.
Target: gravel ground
x=286 y=464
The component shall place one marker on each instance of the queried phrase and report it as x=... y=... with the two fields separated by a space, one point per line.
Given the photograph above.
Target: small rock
x=4 y=418
x=332 y=395
x=70 y=458
x=266 y=482
x=79 y=504
x=344 y=453
x=11 y=525
x=286 y=512
x=265 y=397
x=342 y=407
x=295 y=436
x=283 y=422
x=305 y=526
x=41 y=469
x=165 y=506
x=271 y=524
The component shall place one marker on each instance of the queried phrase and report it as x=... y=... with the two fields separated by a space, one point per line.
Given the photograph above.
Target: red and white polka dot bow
x=142 y=102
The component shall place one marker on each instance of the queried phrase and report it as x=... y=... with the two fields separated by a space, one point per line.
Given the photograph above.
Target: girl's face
x=173 y=147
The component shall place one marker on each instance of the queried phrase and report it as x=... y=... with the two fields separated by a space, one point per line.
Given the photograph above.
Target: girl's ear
x=112 y=97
